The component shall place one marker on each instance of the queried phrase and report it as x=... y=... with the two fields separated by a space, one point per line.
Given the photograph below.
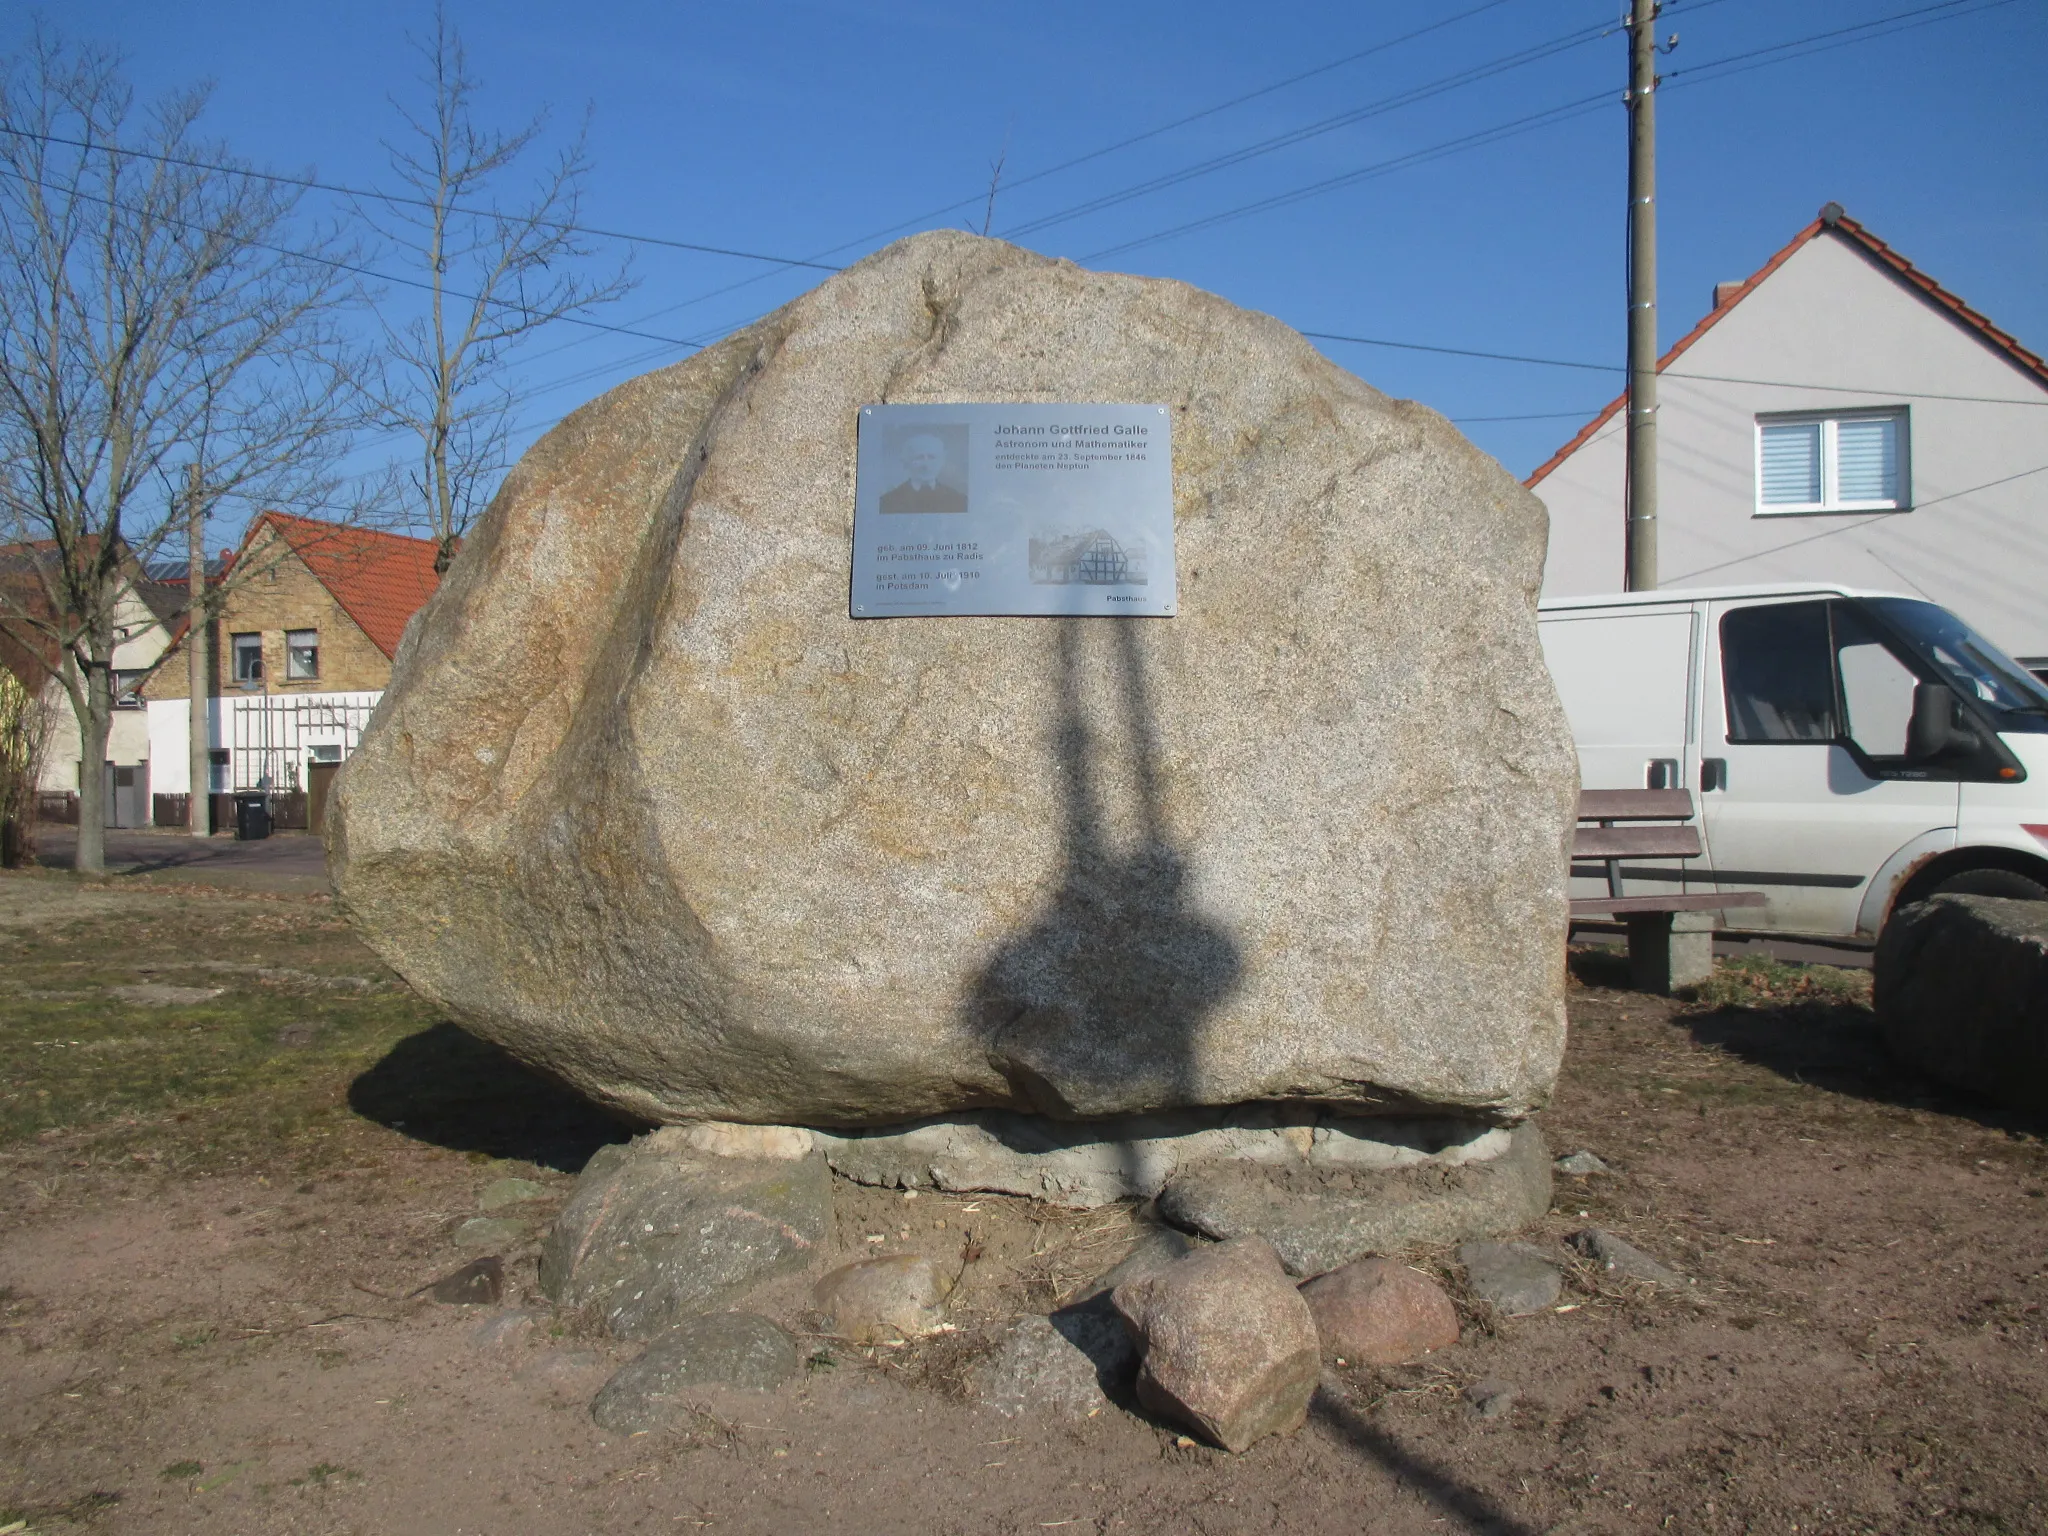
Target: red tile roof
x=380 y=579
x=1831 y=220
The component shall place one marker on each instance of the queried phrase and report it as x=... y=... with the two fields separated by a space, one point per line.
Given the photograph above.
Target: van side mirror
x=1932 y=730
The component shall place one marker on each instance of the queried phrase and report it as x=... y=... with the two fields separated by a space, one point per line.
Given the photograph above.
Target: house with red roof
x=310 y=620
x=1839 y=416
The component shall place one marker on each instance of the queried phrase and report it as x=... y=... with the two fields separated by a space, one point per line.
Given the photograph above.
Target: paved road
x=288 y=861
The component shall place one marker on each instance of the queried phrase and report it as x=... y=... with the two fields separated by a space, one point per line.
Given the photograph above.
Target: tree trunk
x=95 y=725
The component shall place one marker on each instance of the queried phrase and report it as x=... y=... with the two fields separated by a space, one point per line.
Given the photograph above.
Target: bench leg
x=1669 y=950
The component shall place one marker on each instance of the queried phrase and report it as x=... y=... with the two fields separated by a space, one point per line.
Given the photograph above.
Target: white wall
x=128 y=740
x=170 y=769
x=1831 y=316
x=139 y=640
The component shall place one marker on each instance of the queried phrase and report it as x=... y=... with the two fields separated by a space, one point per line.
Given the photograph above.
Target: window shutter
x=1867 y=459
x=1791 y=464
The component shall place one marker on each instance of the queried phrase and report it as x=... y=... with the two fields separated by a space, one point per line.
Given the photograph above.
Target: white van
x=1848 y=751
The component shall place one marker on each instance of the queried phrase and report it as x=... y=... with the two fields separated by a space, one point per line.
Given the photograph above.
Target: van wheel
x=1992 y=882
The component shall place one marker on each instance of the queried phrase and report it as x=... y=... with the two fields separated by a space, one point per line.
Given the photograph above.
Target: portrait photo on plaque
x=930 y=459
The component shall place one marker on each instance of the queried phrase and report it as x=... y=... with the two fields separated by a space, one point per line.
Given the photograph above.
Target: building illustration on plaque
x=1095 y=558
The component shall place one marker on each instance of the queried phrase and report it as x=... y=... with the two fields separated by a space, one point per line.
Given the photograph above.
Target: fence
x=270 y=741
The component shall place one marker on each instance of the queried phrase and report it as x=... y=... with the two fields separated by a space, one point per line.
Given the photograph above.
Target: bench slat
x=1593 y=906
x=1636 y=843
x=1635 y=805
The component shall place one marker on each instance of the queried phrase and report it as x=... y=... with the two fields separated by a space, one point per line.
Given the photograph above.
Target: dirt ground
x=215 y=1208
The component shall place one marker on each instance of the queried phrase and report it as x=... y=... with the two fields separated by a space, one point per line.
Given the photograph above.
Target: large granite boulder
x=1961 y=991
x=644 y=805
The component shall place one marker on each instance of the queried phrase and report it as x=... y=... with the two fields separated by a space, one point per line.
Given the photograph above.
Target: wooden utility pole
x=198 y=658
x=1642 y=297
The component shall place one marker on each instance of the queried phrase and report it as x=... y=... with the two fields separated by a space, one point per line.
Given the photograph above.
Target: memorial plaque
x=1013 y=509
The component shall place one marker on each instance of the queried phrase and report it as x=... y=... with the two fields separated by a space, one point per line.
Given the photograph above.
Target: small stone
x=562 y=1367
x=489 y=1232
x=479 y=1283
x=156 y=994
x=1491 y=1399
x=1378 y=1312
x=1154 y=1250
x=503 y=1192
x=1512 y=1277
x=513 y=1327
x=656 y=1232
x=1066 y=1364
x=879 y=1301
x=1580 y=1164
x=1617 y=1257
x=1226 y=1342
x=721 y=1349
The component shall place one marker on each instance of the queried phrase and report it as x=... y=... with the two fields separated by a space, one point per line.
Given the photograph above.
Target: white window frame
x=291 y=672
x=1830 y=423
x=236 y=650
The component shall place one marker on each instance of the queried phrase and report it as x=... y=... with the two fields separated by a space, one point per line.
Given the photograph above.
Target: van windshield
x=1975 y=667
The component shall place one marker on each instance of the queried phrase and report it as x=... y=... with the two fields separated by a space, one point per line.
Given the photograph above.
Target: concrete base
x=1669 y=950
x=1090 y=1163
x=1319 y=1219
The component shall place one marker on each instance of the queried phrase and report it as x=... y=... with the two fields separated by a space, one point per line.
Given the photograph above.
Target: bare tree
x=494 y=275
x=169 y=334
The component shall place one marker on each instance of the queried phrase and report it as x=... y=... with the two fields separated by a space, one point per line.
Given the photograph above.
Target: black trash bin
x=252 y=816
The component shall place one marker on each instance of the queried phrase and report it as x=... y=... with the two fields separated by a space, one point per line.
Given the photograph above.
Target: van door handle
x=1713 y=773
x=1661 y=773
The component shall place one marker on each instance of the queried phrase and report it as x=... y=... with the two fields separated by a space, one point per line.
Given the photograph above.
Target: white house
x=1839 y=417
x=301 y=651
x=141 y=637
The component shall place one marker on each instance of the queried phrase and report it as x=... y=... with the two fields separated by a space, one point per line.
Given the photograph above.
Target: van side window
x=1778 y=673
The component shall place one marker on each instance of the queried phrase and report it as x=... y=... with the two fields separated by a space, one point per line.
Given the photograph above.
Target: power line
x=1510 y=129
x=1666 y=373
x=335 y=262
x=1574 y=39
x=314 y=184
x=924 y=219
x=1841 y=37
x=1472 y=76
x=1829 y=533
x=1779 y=53
x=1178 y=122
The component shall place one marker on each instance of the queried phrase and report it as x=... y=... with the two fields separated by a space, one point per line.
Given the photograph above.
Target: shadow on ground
x=1465 y=1508
x=449 y=1088
x=1824 y=1042
x=1837 y=1047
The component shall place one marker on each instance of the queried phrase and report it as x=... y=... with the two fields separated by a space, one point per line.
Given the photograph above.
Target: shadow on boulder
x=446 y=1087
x=1100 y=1002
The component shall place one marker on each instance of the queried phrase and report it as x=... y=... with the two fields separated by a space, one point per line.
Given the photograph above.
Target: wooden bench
x=1671 y=936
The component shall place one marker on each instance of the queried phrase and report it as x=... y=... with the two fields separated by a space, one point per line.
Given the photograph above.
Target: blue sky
x=799 y=129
